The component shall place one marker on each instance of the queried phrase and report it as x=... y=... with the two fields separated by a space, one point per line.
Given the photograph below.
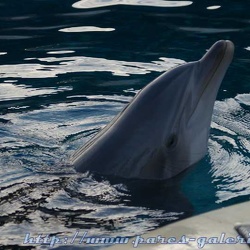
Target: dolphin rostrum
x=165 y=128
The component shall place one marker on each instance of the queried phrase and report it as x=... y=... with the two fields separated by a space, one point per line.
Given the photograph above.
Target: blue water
x=67 y=68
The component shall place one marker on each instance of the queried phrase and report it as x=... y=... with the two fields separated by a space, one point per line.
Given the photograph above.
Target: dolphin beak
x=216 y=61
x=220 y=50
x=210 y=71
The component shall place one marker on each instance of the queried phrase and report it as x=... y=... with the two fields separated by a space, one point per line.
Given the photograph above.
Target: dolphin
x=165 y=128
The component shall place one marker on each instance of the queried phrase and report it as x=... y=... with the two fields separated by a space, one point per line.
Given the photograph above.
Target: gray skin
x=165 y=128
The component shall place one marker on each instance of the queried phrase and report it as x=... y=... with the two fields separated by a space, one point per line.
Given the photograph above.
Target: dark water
x=67 y=68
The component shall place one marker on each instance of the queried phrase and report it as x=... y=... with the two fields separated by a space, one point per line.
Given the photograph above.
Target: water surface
x=67 y=68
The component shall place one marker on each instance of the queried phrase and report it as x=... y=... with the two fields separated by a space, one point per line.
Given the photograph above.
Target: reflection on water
x=75 y=64
x=60 y=52
x=214 y=7
x=85 y=4
x=10 y=91
x=86 y=29
x=67 y=71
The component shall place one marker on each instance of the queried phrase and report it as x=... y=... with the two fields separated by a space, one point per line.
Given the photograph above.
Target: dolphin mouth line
x=214 y=70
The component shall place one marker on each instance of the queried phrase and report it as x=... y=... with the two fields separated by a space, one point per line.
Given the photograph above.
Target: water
x=67 y=68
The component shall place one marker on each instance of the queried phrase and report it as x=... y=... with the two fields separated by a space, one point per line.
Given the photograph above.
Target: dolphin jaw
x=215 y=71
x=216 y=62
x=198 y=122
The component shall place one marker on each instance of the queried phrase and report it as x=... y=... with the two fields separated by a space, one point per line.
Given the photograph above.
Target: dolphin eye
x=172 y=140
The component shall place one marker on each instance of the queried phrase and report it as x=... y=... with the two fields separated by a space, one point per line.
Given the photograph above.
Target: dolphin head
x=165 y=128
x=190 y=92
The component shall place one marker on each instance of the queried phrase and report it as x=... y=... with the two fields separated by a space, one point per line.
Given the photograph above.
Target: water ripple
x=62 y=205
x=208 y=30
x=15 y=37
x=229 y=148
x=83 y=64
x=10 y=91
